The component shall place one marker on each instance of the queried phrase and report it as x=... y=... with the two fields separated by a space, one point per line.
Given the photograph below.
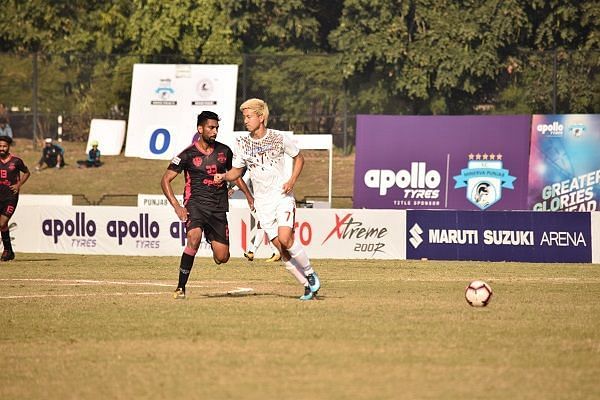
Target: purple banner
x=564 y=169
x=441 y=162
x=499 y=236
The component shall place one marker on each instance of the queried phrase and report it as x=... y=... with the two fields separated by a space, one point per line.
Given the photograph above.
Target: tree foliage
x=310 y=56
x=453 y=55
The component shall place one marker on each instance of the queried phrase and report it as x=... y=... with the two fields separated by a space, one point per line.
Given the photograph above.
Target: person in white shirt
x=262 y=152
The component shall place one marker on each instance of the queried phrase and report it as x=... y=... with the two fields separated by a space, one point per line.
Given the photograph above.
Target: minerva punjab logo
x=484 y=178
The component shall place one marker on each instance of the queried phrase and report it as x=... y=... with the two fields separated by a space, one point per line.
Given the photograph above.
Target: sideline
x=90 y=282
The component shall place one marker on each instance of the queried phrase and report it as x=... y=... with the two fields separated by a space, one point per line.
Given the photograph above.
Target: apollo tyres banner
x=166 y=100
x=154 y=230
x=441 y=162
x=564 y=169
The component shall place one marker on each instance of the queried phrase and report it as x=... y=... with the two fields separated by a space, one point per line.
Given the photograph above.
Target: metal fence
x=306 y=93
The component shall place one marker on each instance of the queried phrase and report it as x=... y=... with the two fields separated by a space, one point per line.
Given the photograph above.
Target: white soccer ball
x=478 y=294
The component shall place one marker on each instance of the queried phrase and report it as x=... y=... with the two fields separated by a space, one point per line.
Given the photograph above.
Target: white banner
x=314 y=142
x=166 y=100
x=109 y=134
x=156 y=200
x=156 y=231
x=45 y=200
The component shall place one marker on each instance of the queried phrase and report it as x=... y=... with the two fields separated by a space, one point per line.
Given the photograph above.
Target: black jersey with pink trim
x=10 y=174
x=199 y=168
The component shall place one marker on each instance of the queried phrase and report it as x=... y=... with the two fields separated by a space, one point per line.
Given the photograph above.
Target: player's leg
x=193 y=237
x=217 y=234
x=6 y=212
x=220 y=252
x=275 y=253
x=259 y=236
x=271 y=229
x=297 y=255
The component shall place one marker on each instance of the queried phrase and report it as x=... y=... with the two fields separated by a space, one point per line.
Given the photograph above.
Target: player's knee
x=221 y=259
x=286 y=242
x=193 y=241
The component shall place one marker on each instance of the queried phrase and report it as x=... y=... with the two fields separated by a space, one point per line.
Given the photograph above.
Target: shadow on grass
x=21 y=259
x=269 y=294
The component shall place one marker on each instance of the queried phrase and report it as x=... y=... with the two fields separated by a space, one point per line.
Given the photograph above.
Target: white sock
x=296 y=273
x=259 y=236
x=300 y=258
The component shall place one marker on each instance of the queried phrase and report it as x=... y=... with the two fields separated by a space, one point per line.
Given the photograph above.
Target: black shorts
x=8 y=205
x=213 y=223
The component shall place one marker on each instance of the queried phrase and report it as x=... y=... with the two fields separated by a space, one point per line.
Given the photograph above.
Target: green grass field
x=88 y=327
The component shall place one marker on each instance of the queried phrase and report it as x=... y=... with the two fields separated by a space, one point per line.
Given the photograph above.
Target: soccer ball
x=478 y=294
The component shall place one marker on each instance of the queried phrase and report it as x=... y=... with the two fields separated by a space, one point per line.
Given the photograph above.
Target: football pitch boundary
x=236 y=291
x=91 y=282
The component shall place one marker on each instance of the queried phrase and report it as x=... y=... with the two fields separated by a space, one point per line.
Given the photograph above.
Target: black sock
x=6 y=240
x=185 y=267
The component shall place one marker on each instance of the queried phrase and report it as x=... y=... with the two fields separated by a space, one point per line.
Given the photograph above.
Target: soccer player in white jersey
x=262 y=152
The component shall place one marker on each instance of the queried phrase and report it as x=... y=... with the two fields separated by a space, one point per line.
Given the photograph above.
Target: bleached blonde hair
x=259 y=106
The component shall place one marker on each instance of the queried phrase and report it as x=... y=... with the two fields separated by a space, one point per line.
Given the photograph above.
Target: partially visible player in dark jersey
x=205 y=203
x=11 y=181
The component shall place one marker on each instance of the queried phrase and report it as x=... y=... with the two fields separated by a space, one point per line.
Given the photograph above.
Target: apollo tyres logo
x=420 y=185
x=556 y=129
x=364 y=239
x=484 y=179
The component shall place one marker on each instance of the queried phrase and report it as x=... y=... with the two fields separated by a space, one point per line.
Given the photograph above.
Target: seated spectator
x=93 y=158
x=53 y=156
x=5 y=129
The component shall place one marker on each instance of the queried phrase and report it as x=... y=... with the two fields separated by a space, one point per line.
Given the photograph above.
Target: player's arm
x=23 y=178
x=296 y=170
x=165 y=184
x=241 y=183
x=232 y=175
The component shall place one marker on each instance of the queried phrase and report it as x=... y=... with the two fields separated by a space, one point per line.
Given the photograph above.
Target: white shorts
x=273 y=215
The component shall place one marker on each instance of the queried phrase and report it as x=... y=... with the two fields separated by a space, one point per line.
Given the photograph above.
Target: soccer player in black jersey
x=11 y=181
x=205 y=202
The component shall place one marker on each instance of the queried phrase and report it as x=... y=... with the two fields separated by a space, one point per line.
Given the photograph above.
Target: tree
x=558 y=58
x=426 y=56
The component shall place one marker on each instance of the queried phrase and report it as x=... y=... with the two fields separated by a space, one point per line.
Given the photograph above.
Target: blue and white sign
x=484 y=178
x=499 y=236
x=166 y=100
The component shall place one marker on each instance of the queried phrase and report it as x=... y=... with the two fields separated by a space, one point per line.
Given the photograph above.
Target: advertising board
x=564 y=167
x=166 y=100
x=441 y=162
x=499 y=236
x=154 y=230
